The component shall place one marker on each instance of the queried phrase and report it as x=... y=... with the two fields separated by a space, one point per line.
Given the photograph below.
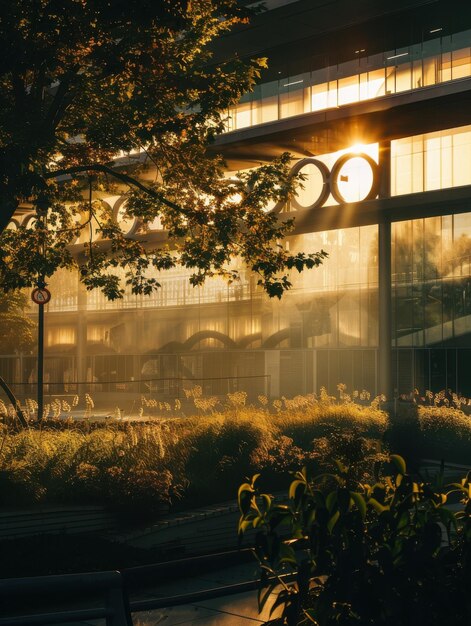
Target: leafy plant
x=387 y=553
x=17 y=330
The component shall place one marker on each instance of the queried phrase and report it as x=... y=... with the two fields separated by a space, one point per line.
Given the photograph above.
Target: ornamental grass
x=188 y=460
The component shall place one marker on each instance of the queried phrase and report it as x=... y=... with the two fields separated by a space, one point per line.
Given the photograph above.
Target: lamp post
x=40 y=296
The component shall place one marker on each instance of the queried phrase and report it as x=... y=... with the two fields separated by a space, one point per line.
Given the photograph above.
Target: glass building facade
x=365 y=77
x=397 y=281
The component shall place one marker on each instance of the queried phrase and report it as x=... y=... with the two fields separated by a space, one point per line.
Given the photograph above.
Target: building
x=373 y=99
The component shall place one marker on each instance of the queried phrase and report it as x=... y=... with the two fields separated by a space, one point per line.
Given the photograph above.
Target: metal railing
x=114 y=606
x=113 y=588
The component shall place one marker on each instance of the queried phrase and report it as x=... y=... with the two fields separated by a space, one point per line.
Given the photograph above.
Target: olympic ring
x=330 y=180
x=128 y=225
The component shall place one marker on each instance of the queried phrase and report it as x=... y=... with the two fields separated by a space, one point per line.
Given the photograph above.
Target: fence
x=113 y=588
x=113 y=605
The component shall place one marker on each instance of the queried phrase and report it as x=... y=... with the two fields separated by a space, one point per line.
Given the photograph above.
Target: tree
x=17 y=330
x=82 y=81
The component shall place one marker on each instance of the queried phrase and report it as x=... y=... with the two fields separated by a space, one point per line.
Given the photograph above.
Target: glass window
x=319 y=90
x=292 y=95
x=403 y=77
x=362 y=78
x=243 y=115
x=430 y=71
x=376 y=83
x=460 y=40
x=348 y=90
x=319 y=97
x=269 y=105
x=332 y=94
x=461 y=63
x=431 y=161
x=444 y=73
x=257 y=105
x=431 y=51
x=461 y=158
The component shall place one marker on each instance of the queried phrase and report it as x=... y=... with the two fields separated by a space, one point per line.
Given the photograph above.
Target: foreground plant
x=371 y=554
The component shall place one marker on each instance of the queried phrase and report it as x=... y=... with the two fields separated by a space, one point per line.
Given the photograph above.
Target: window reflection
x=432 y=280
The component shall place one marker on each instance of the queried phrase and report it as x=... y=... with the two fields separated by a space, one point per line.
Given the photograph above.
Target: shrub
x=196 y=459
x=445 y=433
x=123 y=468
x=319 y=417
x=362 y=554
x=431 y=432
x=221 y=448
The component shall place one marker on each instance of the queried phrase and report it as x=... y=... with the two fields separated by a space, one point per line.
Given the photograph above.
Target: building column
x=385 y=383
x=384 y=310
x=81 y=339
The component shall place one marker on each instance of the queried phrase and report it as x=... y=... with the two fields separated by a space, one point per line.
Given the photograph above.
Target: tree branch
x=14 y=402
x=125 y=178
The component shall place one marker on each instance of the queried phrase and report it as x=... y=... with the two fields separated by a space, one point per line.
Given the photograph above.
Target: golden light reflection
x=355 y=178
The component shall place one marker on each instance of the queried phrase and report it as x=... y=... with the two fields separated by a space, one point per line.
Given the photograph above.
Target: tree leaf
x=359 y=502
x=398 y=463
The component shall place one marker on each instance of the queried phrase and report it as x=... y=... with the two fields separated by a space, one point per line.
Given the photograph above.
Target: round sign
x=41 y=295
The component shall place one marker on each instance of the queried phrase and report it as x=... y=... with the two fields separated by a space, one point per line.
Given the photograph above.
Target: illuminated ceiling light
x=435 y=30
x=396 y=56
x=295 y=82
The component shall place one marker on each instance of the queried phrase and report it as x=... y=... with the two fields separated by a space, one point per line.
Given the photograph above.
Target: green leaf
x=244 y=525
x=268 y=500
x=377 y=506
x=399 y=463
x=286 y=554
x=342 y=468
x=333 y=520
x=359 y=502
x=331 y=501
x=447 y=517
x=245 y=497
x=293 y=488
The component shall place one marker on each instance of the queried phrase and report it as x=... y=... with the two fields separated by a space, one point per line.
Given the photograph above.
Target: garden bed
x=138 y=469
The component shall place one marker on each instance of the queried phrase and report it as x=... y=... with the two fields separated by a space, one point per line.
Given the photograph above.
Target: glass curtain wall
x=431 y=285
x=437 y=160
x=216 y=331
x=363 y=78
x=432 y=281
x=335 y=302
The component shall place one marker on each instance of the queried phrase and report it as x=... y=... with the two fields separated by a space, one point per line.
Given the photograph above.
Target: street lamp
x=41 y=296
